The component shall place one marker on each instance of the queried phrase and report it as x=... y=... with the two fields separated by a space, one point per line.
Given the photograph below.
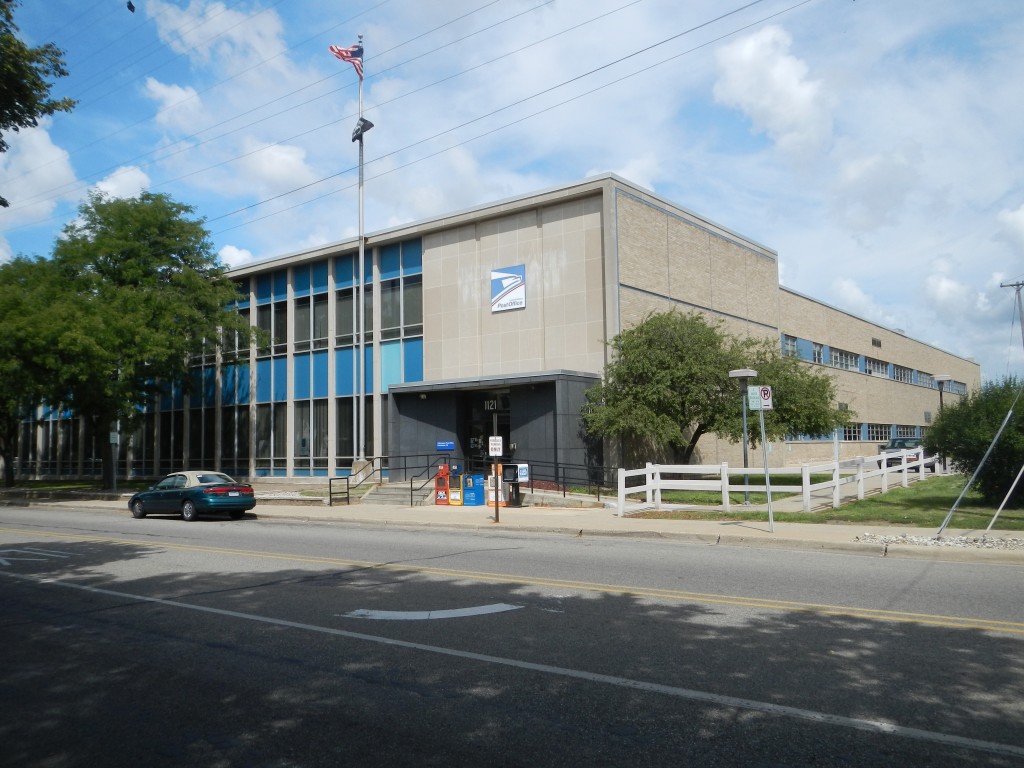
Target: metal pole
x=767 y=481
x=497 y=474
x=942 y=385
x=361 y=373
x=981 y=464
x=1009 y=493
x=746 y=442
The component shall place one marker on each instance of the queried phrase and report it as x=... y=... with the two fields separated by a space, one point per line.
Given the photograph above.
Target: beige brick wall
x=562 y=325
x=686 y=263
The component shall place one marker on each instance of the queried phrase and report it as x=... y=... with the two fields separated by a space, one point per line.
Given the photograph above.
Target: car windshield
x=213 y=477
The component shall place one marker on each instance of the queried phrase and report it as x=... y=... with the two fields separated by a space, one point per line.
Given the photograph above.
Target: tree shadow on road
x=271 y=668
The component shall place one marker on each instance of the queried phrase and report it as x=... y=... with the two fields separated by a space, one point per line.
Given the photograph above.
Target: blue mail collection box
x=474 y=490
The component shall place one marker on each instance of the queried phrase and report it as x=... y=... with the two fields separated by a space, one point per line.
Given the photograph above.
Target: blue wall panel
x=344 y=372
x=804 y=349
x=390 y=364
x=413 y=353
x=300 y=280
x=390 y=261
x=280 y=379
x=281 y=285
x=243 y=385
x=412 y=257
x=320 y=375
x=344 y=271
x=264 y=292
x=301 y=368
x=263 y=390
x=320 y=277
x=227 y=395
x=209 y=387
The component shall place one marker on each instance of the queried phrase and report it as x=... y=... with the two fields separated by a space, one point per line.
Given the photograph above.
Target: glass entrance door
x=488 y=414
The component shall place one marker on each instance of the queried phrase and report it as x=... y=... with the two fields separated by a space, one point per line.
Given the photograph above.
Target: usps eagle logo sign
x=508 y=288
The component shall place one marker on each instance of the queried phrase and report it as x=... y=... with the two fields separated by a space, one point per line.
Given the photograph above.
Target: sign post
x=494 y=450
x=760 y=400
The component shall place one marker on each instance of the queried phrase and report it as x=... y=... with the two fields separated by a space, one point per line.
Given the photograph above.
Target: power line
x=184 y=144
x=41 y=196
x=501 y=109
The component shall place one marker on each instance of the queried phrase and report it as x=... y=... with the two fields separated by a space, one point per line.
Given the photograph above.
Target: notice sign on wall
x=508 y=288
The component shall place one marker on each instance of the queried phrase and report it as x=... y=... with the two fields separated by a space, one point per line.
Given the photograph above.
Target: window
x=879 y=432
x=789 y=346
x=303 y=313
x=310 y=449
x=876 y=343
x=401 y=307
x=926 y=380
x=320 y=321
x=271 y=436
x=272 y=320
x=851 y=433
x=818 y=353
x=391 y=309
x=899 y=373
x=905 y=430
x=280 y=327
x=345 y=319
x=235 y=344
x=875 y=367
x=843 y=359
x=311 y=322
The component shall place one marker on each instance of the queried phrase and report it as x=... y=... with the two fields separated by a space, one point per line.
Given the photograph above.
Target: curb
x=900 y=551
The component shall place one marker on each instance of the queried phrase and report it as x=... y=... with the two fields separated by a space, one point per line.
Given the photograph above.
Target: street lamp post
x=941 y=380
x=744 y=375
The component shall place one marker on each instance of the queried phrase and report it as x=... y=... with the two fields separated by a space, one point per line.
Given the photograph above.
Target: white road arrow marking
x=457 y=613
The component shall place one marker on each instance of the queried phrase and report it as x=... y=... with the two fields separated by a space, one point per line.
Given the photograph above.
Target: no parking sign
x=759 y=397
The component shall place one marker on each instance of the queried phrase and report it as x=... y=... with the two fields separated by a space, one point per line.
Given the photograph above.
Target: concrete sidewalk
x=1006 y=547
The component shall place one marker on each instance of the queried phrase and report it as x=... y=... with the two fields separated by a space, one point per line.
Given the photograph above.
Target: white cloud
x=1011 y=225
x=211 y=31
x=35 y=177
x=180 y=107
x=232 y=256
x=125 y=182
x=759 y=76
x=853 y=299
x=268 y=168
x=871 y=190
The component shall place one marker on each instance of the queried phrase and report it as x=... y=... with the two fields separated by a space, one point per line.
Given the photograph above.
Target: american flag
x=353 y=55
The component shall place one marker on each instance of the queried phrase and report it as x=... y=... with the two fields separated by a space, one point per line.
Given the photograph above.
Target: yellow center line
x=824 y=609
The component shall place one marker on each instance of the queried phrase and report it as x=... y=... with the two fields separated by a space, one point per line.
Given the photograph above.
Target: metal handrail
x=330 y=490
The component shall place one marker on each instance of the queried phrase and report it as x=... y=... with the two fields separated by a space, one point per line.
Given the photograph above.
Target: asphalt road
x=157 y=642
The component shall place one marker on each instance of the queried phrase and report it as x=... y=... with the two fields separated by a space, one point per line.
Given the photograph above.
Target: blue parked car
x=192 y=493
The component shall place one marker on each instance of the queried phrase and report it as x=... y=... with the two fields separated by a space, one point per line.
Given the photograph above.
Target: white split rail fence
x=848 y=478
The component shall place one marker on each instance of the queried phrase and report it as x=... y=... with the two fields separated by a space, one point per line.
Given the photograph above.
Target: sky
x=875 y=145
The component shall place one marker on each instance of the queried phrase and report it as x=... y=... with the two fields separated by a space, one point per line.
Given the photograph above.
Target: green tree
x=24 y=80
x=135 y=292
x=23 y=284
x=963 y=433
x=668 y=385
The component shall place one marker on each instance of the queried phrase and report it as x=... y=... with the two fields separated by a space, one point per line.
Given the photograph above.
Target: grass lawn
x=922 y=505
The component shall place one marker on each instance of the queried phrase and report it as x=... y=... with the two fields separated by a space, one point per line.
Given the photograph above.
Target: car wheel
x=237 y=514
x=188 y=511
x=137 y=511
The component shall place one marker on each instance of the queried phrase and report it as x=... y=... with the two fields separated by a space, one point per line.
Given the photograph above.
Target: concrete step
x=398 y=494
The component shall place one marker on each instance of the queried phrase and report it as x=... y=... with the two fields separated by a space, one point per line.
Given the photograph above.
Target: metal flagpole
x=361 y=416
x=354 y=56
